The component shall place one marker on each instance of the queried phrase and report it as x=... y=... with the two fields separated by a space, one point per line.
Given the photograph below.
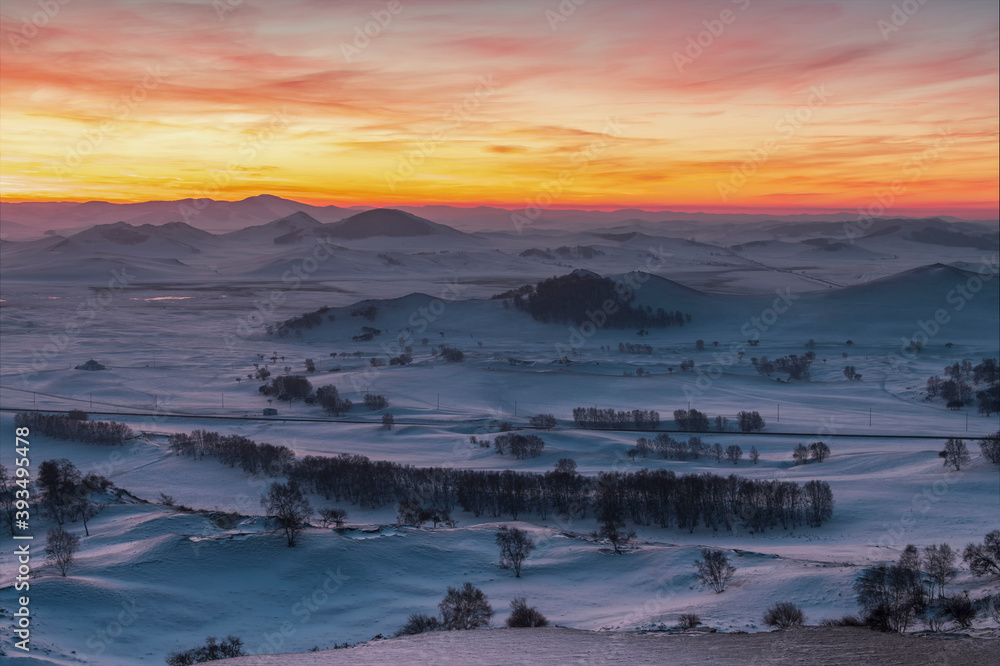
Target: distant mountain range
x=724 y=257
x=20 y=221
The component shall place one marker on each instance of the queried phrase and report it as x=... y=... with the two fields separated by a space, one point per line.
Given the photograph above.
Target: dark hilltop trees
x=585 y=297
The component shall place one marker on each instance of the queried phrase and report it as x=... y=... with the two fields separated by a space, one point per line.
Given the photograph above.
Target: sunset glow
x=598 y=104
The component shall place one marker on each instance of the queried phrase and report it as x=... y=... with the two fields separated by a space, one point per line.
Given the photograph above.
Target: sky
x=728 y=105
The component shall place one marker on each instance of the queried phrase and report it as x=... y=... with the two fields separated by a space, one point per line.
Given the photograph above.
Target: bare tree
x=84 y=509
x=891 y=597
x=819 y=451
x=465 y=608
x=910 y=558
x=939 y=565
x=754 y=454
x=611 y=516
x=388 y=421
x=800 y=454
x=717 y=452
x=515 y=546
x=955 y=453
x=784 y=615
x=60 y=548
x=286 y=503
x=734 y=453
x=8 y=498
x=984 y=558
x=335 y=516
x=714 y=569
x=990 y=446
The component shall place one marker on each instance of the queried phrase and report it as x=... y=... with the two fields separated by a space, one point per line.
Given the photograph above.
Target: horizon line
x=914 y=213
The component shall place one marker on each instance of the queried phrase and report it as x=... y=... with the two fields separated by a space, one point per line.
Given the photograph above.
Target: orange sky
x=613 y=105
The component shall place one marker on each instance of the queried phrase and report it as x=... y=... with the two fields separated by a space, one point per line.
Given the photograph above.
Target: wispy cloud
x=354 y=120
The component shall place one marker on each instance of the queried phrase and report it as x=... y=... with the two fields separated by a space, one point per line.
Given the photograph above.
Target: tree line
x=233 y=450
x=690 y=420
x=797 y=367
x=646 y=497
x=75 y=428
x=594 y=417
x=959 y=388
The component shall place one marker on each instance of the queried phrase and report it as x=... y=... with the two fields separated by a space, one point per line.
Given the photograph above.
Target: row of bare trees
x=233 y=450
x=75 y=428
x=594 y=417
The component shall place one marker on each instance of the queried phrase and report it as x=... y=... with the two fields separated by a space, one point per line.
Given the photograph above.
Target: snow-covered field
x=186 y=322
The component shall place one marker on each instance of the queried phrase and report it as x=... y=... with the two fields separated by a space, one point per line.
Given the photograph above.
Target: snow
x=176 y=338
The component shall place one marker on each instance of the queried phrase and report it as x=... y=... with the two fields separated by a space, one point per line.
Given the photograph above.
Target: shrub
x=543 y=421
x=419 y=623
x=451 y=354
x=959 y=609
x=522 y=615
x=689 y=621
x=335 y=516
x=374 y=401
x=784 y=615
x=232 y=646
x=465 y=608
